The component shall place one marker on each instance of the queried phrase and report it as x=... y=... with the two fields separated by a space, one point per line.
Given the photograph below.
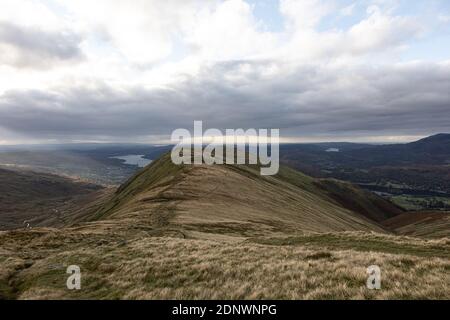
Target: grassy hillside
x=424 y=224
x=39 y=199
x=223 y=232
x=232 y=200
x=358 y=200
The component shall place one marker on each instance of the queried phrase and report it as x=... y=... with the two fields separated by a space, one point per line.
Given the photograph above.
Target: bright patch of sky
x=268 y=13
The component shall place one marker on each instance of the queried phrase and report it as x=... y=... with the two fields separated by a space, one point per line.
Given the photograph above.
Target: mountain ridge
x=218 y=232
x=199 y=198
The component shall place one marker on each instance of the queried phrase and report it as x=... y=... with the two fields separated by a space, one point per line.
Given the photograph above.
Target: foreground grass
x=365 y=242
x=171 y=268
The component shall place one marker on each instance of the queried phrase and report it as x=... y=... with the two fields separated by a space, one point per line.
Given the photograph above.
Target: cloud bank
x=134 y=71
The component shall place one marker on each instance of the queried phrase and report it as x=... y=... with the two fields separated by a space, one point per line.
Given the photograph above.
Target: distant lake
x=134 y=160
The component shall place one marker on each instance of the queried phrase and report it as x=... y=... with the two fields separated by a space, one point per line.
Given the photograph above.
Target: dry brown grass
x=173 y=268
x=233 y=201
x=220 y=233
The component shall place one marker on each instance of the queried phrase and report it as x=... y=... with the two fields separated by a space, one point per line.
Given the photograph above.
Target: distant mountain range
x=434 y=150
x=420 y=168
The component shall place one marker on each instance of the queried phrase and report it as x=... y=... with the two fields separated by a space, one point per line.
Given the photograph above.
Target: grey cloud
x=27 y=47
x=301 y=101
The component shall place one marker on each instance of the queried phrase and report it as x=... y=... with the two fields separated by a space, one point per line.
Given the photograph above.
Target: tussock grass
x=171 y=268
x=221 y=232
x=366 y=242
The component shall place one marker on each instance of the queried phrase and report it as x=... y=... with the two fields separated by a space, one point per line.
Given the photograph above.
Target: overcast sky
x=134 y=70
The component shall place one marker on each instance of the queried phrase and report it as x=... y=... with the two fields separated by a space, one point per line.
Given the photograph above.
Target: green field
x=416 y=203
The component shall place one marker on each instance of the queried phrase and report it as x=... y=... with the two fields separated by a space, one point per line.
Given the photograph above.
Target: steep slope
x=356 y=199
x=232 y=200
x=422 y=224
x=39 y=199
